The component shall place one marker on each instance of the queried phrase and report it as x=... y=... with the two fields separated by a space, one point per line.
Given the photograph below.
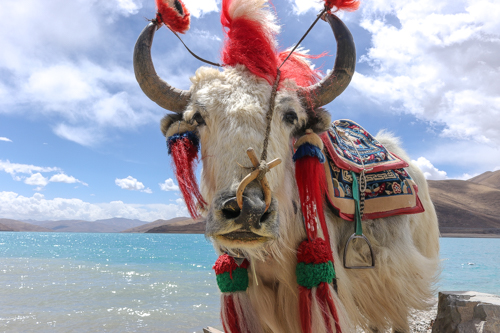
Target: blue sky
x=79 y=139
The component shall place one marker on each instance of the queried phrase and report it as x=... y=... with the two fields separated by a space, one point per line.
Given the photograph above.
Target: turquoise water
x=75 y=282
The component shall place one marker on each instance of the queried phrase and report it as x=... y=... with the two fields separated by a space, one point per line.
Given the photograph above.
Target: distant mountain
x=489 y=178
x=3 y=227
x=79 y=226
x=467 y=206
x=159 y=223
x=108 y=225
x=22 y=226
x=121 y=224
x=188 y=226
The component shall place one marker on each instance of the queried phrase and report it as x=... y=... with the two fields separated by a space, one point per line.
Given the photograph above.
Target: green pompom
x=239 y=282
x=311 y=275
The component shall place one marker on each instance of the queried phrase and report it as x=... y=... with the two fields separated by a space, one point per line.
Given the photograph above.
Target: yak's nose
x=252 y=214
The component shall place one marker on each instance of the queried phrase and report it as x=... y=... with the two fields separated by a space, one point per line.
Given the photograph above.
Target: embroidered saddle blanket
x=389 y=188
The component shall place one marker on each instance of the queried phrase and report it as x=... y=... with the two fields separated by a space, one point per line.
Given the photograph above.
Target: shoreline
x=468 y=235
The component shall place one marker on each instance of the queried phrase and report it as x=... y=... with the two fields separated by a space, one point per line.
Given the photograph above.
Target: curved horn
x=334 y=83
x=154 y=87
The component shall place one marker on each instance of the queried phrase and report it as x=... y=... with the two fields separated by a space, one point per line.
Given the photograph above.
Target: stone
x=211 y=330
x=467 y=312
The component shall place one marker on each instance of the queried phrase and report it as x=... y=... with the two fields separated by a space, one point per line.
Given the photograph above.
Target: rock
x=467 y=312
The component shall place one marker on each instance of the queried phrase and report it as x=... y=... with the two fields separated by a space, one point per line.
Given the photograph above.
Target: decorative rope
x=159 y=21
x=269 y=117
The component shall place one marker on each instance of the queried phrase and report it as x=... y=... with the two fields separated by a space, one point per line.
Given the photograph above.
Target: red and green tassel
x=237 y=313
x=315 y=270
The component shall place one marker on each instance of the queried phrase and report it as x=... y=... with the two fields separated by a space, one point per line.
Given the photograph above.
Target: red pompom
x=226 y=263
x=314 y=252
x=349 y=5
x=174 y=14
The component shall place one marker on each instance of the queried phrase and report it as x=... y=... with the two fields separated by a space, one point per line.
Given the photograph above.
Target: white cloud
x=437 y=61
x=429 y=170
x=14 y=168
x=64 y=66
x=15 y=206
x=63 y=178
x=132 y=184
x=81 y=135
x=302 y=6
x=36 y=179
x=198 y=8
x=168 y=185
x=2 y=138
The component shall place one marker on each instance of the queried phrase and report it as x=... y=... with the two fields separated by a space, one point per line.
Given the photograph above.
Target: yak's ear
x=174 y=124
x=318 y=120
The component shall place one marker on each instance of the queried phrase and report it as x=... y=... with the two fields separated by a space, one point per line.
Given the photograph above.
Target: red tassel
x=184 y=154
x=323 y=293
x=305 y=309
x=311 y=183
x=349 y=5
x=228 y=312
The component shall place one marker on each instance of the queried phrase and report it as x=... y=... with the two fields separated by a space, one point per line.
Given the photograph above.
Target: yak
x=260 y=225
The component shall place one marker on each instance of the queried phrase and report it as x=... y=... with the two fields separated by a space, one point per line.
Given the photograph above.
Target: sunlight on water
x=73 y=282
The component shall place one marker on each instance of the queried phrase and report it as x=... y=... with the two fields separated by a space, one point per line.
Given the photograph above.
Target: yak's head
x=228 y=111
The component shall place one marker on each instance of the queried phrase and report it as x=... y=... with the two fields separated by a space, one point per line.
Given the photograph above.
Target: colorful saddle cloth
x=389 y=188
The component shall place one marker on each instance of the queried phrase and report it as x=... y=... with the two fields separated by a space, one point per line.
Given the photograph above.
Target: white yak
x=227 y=110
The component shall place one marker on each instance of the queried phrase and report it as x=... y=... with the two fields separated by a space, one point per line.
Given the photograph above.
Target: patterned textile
x=388 y=191
x=349 y=143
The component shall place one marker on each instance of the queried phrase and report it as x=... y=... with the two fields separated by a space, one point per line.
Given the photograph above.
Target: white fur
x=233 y=104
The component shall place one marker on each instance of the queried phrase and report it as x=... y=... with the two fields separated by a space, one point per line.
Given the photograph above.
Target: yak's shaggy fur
x=233 y=104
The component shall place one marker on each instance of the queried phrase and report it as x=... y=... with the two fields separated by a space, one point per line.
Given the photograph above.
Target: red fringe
x=184 y=155
x=297 y=69
x=348 y=5
x=311 y=183
x=171 y=17
x=324 y=293
x=231 y=316
x=247 y=42
x=305 y=309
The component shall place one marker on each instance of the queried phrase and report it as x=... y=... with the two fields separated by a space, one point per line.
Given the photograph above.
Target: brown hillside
x=187 y=228
x=489 y=178
x=3 y=227
x=157 y=223
x=22 y=226
x=466 y=207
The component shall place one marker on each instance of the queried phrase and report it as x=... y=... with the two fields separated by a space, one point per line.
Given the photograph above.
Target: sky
x=80 y=140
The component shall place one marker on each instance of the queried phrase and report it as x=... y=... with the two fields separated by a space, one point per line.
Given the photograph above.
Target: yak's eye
x=198 y=118
x=290 y=117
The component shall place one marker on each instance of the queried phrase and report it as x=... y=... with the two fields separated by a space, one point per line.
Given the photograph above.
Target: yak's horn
x=154 y=87
x=334 y=83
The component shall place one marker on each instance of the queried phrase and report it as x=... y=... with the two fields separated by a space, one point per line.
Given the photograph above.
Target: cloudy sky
x=79 y=139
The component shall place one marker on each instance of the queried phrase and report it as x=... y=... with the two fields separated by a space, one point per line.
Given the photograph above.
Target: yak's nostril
x=230 y=209
x=265 y=216
x=230 y=214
